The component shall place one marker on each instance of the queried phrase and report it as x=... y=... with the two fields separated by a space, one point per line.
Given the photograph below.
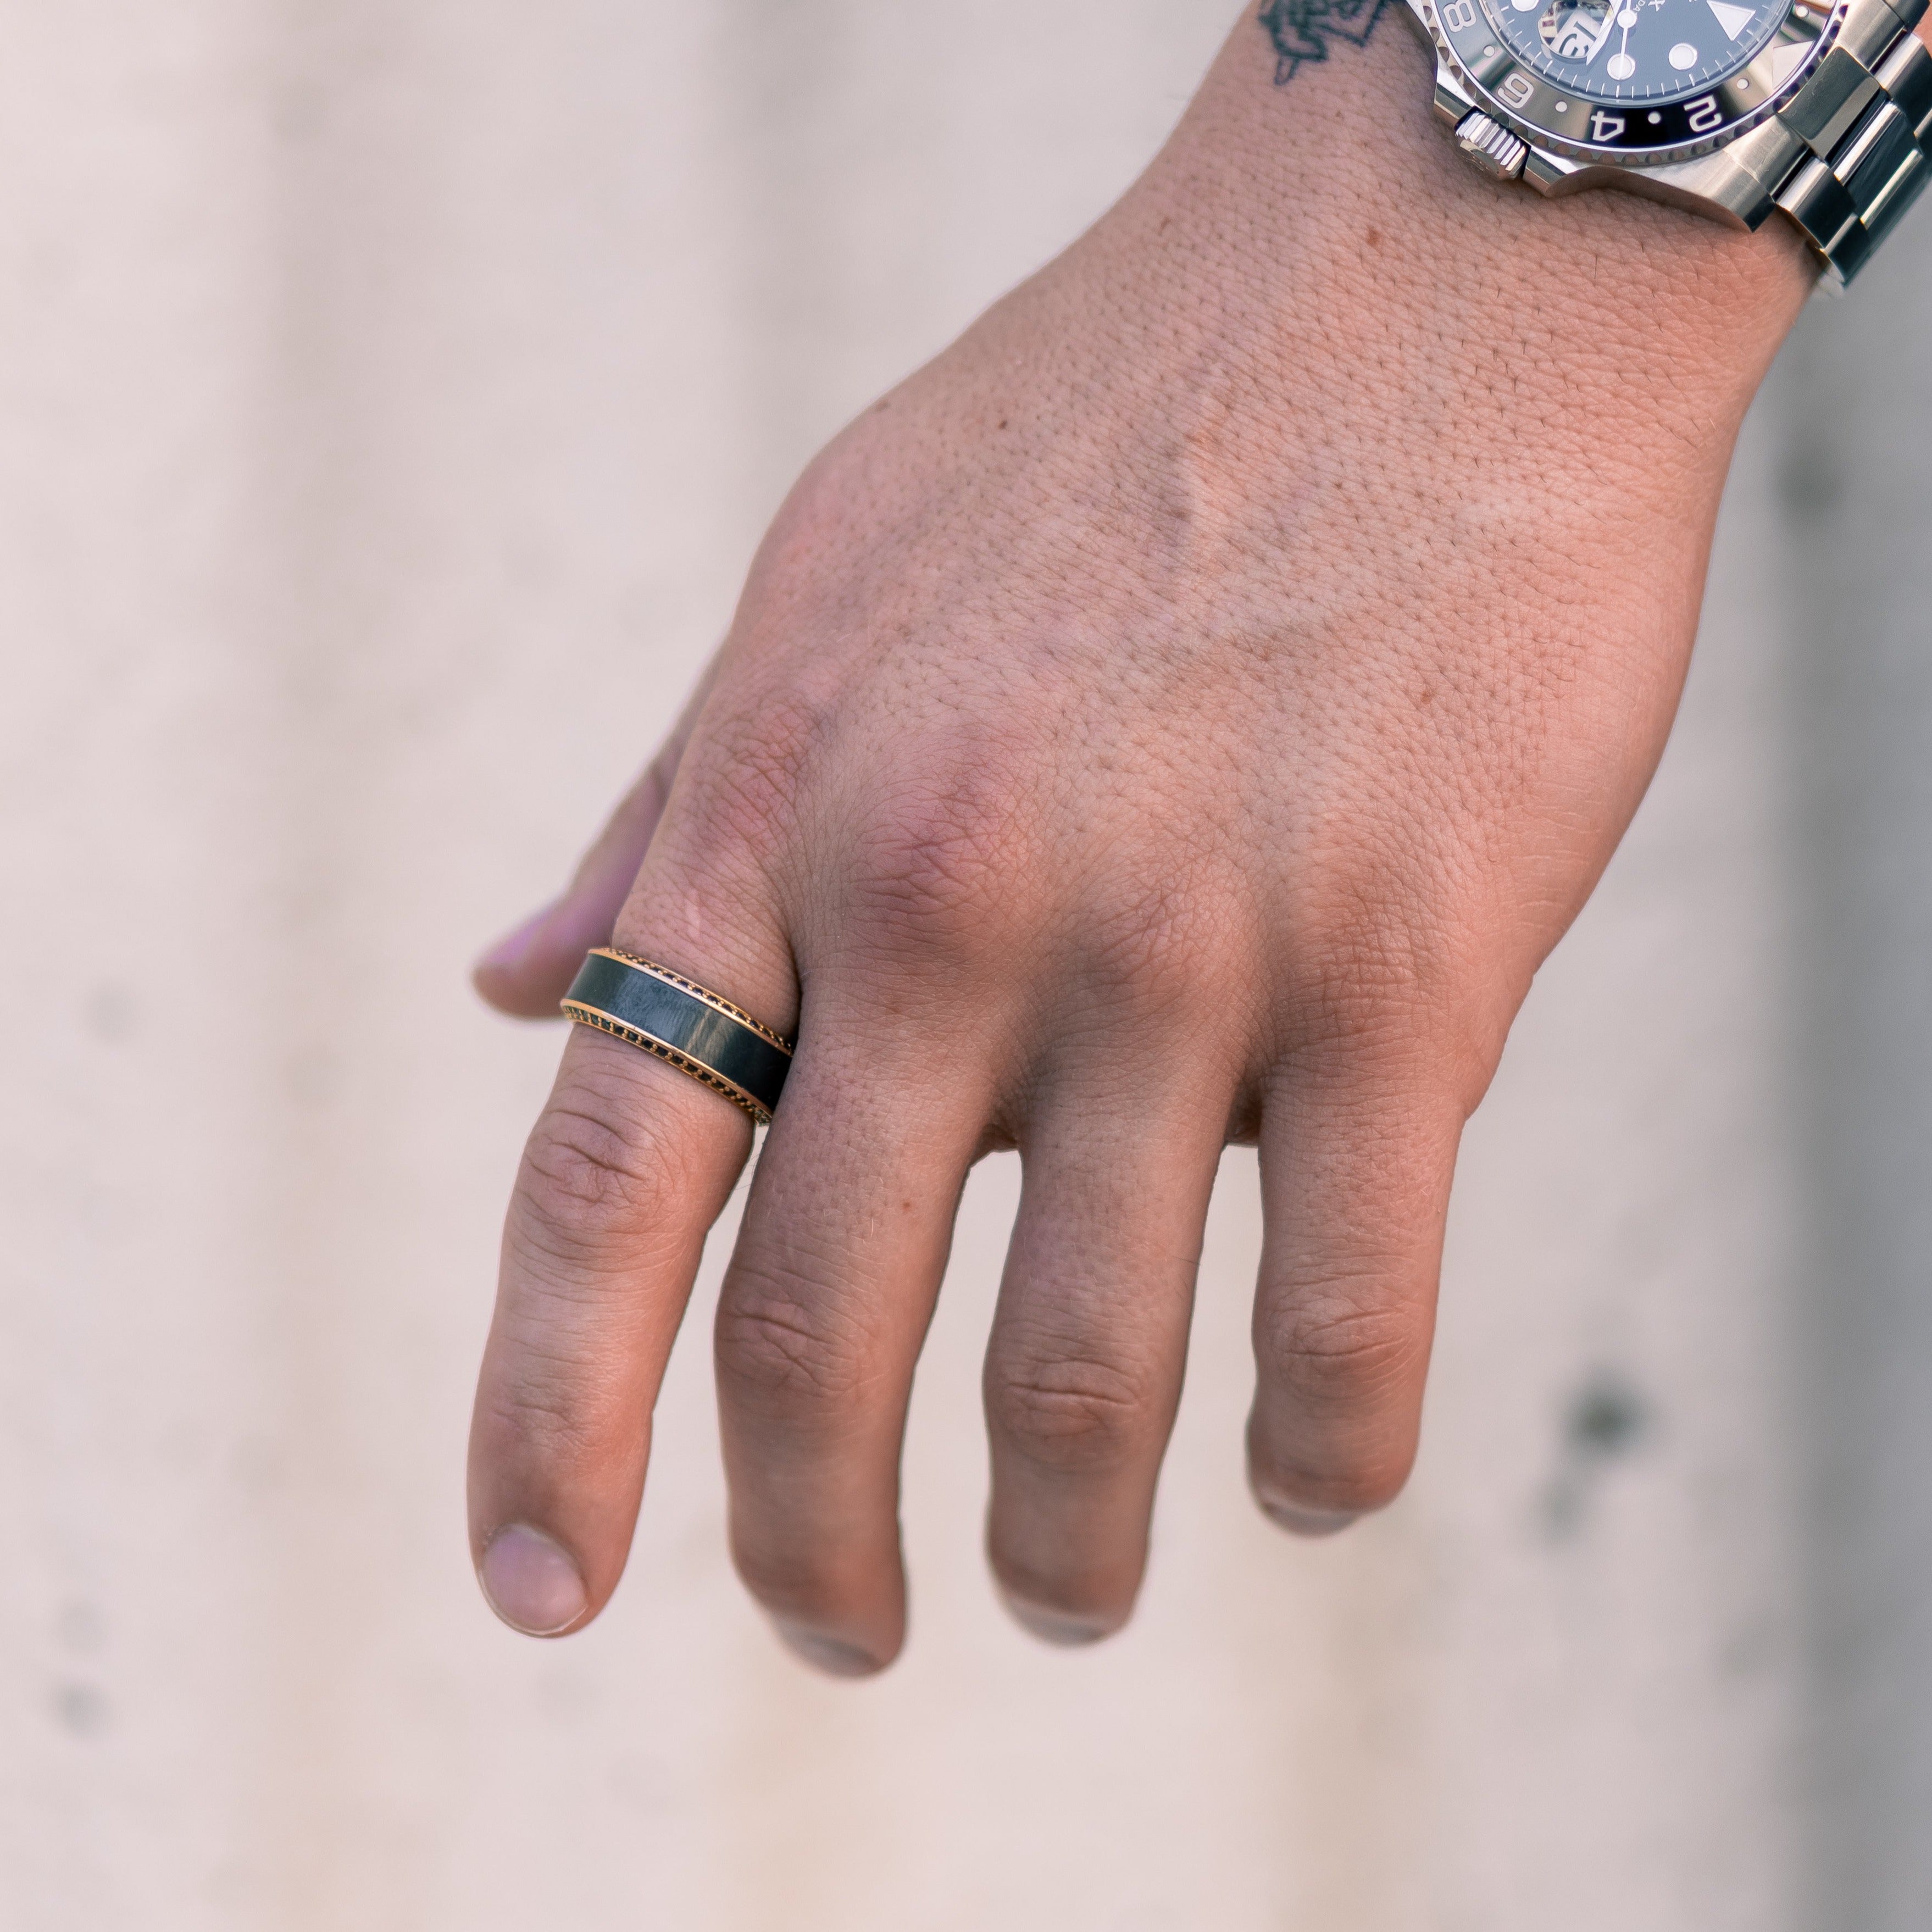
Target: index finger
x=629 y=1165
x=624 y=1174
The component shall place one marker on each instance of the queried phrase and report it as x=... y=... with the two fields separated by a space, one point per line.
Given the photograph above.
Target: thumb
x=527 y=972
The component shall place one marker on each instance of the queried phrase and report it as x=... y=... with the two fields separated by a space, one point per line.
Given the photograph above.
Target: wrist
x=1331 y=221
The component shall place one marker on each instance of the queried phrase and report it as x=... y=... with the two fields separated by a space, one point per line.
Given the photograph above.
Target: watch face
x=1643 y=51
x=1635 y=81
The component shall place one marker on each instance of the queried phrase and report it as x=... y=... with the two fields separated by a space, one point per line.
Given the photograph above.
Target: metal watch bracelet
x=1864 y=118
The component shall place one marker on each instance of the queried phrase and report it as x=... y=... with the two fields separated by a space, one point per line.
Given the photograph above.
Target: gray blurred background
x=390 y=397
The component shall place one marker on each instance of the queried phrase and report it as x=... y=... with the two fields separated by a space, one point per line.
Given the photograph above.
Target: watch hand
x=1620 y=66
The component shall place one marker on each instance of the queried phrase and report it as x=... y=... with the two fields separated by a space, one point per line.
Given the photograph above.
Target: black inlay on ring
x=700 y=1032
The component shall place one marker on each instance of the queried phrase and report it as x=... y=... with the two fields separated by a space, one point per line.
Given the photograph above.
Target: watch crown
x=1491 y=146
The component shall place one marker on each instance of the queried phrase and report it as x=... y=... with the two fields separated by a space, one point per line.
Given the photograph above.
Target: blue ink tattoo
x=1301 y=29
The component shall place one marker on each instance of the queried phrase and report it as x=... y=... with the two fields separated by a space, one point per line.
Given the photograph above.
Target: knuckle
x=1370 y=1015
x=1338 y=1355
x=937 y=862
x=1069 y=1412
x=1161 y=954
x=549 y=1414
x=1341 y=1379
x=555 y=1390
x=592 y=1184
x=1377 y=943
x=743 y=777
x=1359 y=983
x=783 y=1349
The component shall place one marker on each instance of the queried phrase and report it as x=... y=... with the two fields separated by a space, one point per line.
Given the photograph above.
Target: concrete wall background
x=391 y=396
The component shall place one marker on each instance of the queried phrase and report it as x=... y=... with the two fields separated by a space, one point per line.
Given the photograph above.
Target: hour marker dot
x=1563 y=107
x=1742 y=83
x=1657 y=120
x=1627 y=18
x=1683 y=56
x=1620 y=66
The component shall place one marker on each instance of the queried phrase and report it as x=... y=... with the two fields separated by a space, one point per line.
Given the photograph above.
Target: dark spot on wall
x=1605 y=1418
x=1603 y=1421
x=81 y=1709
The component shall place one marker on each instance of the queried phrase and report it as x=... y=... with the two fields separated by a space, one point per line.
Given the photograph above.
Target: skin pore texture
x=1189 y=710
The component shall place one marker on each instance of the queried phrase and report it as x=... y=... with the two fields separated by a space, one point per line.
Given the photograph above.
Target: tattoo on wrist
x=1301 y=29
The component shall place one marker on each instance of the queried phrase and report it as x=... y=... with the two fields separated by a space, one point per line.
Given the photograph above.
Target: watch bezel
x=1532 y=115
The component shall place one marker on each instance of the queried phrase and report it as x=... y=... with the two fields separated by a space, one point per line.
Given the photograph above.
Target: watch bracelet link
x=1866 y=123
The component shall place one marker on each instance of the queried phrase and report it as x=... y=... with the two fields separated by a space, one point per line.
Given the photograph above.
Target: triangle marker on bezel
x=1733 y=19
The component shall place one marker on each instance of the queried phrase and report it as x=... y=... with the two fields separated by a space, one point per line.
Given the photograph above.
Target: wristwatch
x=1818 y=109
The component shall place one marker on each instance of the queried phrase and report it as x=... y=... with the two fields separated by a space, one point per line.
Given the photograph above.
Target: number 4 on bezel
x=1606 y=128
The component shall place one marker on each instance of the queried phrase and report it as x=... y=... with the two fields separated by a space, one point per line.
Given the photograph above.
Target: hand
x=1189 y=709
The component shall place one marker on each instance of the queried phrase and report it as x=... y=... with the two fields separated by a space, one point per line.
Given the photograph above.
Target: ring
x=719 y=1045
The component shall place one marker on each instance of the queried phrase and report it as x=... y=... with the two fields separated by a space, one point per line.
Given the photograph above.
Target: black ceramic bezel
x=1652 y=133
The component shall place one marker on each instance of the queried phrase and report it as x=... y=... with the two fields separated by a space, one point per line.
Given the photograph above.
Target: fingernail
x=1310 y=1522
x=827 y=1653
x=530 y=1581
x=1067 y=1628
x=508 y=953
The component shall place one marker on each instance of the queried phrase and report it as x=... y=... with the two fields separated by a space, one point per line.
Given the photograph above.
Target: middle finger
x=1089 y=1340
x=822 y=1312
